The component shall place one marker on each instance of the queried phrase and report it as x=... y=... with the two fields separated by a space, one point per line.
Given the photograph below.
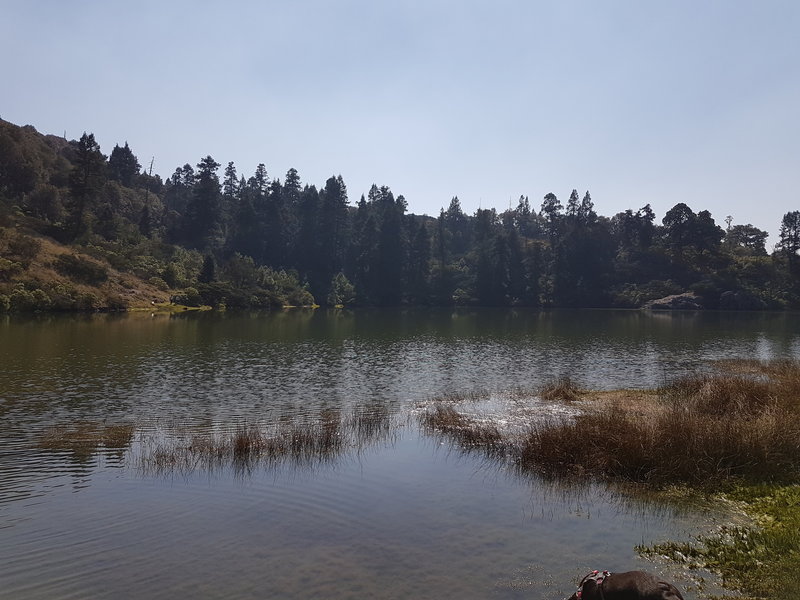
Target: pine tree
x=203 y=221
x=86 y=180
x=123 y=166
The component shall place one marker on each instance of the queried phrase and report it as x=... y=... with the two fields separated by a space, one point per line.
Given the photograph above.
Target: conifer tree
x=123 y=166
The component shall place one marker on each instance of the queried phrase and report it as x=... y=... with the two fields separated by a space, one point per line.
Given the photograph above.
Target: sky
x=639 y=102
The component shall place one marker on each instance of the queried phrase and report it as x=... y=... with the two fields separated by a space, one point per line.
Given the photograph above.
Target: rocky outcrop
x=686 y=301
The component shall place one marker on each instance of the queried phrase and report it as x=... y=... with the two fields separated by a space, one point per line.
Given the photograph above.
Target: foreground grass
x=734 y=432
x=759 y=560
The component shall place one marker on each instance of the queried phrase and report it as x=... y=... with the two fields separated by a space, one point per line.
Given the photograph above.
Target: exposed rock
x=685 y=301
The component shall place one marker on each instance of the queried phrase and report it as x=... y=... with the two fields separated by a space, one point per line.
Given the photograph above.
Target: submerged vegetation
x=87 y=436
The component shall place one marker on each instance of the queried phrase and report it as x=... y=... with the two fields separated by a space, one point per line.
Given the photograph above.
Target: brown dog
x=630 y=585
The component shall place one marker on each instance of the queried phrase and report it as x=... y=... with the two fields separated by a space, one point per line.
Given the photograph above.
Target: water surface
x=403 y=517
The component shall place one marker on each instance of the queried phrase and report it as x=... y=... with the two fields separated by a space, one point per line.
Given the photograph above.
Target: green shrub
x=63 y=297
x=188 y=297
x=23 y=300
x=5 y=303
x=24 y=246
x=80 y=269
x=300 y=297
x=113 y=302
x=8 y=269
x=158 y=283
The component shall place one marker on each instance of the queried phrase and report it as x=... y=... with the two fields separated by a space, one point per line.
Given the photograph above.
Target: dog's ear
x=669 y=591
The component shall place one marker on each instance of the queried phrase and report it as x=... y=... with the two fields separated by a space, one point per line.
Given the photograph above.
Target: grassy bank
x=734 y=432
x=761 y=559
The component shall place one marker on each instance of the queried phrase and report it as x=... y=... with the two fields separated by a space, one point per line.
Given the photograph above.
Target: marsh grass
x=706 y=429
x=734 y=431
x=561 y=389
x=469 y=433
x=305 y=443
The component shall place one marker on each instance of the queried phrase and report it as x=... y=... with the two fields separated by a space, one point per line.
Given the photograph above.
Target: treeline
x=211 y=235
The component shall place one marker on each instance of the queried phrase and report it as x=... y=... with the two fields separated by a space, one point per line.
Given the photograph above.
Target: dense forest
x=80 y=230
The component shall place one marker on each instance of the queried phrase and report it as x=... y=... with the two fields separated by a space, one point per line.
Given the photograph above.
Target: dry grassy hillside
x=38 y=273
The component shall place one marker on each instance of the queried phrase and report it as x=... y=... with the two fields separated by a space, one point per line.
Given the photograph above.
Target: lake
x=401 y=515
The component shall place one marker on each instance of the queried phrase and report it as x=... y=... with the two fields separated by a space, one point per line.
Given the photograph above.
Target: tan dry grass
x=702 y=429
x=470 y=434
x=742 y=423
x=135 y=292
x=323 y=439
x=562 y=389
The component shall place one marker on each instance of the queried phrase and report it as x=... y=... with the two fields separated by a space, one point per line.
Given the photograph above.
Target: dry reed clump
x=708 y=428
x=562 y=389
x=87 y=436
x=298 y=443
x=467 y=432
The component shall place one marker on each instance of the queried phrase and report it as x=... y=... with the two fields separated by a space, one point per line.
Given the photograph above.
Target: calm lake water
x=405 y=516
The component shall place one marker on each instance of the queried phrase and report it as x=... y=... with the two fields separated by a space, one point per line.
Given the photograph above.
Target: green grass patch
x=760 y=559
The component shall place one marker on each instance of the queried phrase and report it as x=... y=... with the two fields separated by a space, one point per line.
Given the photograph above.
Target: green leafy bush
x=188 y=297
x=24 y=246
x=80 y=269
x=8 y=269
x=158 y=283
x=23 y=300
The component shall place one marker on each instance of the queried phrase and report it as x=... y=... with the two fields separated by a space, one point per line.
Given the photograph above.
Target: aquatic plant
x=469 y=433
x=87 y=436
x=562 y=388
x=300 y=443
x=706 y=429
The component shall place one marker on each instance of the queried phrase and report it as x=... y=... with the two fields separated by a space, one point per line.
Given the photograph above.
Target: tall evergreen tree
x=203 y=221
x=551 y=213
x=333 y=234
x=86 y=181
x=419 y=263
x=123 y=166
x=789 y=237
x=392 y=244
x=306 y=251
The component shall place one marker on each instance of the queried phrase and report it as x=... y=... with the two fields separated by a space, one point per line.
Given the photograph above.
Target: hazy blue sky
x=637 y=101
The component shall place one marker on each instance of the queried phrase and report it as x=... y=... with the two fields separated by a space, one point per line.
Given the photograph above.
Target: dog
x=630 y=585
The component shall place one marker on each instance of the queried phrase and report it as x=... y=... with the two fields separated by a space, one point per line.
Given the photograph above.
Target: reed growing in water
x=742 y=422
x=563 y=389
x=302 y=443
x=468 y=432
x=734 y=431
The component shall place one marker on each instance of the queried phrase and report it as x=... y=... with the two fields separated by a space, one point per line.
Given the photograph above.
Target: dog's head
x=631 y=585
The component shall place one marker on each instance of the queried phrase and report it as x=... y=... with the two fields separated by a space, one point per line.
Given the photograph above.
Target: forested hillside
x=80 y=230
